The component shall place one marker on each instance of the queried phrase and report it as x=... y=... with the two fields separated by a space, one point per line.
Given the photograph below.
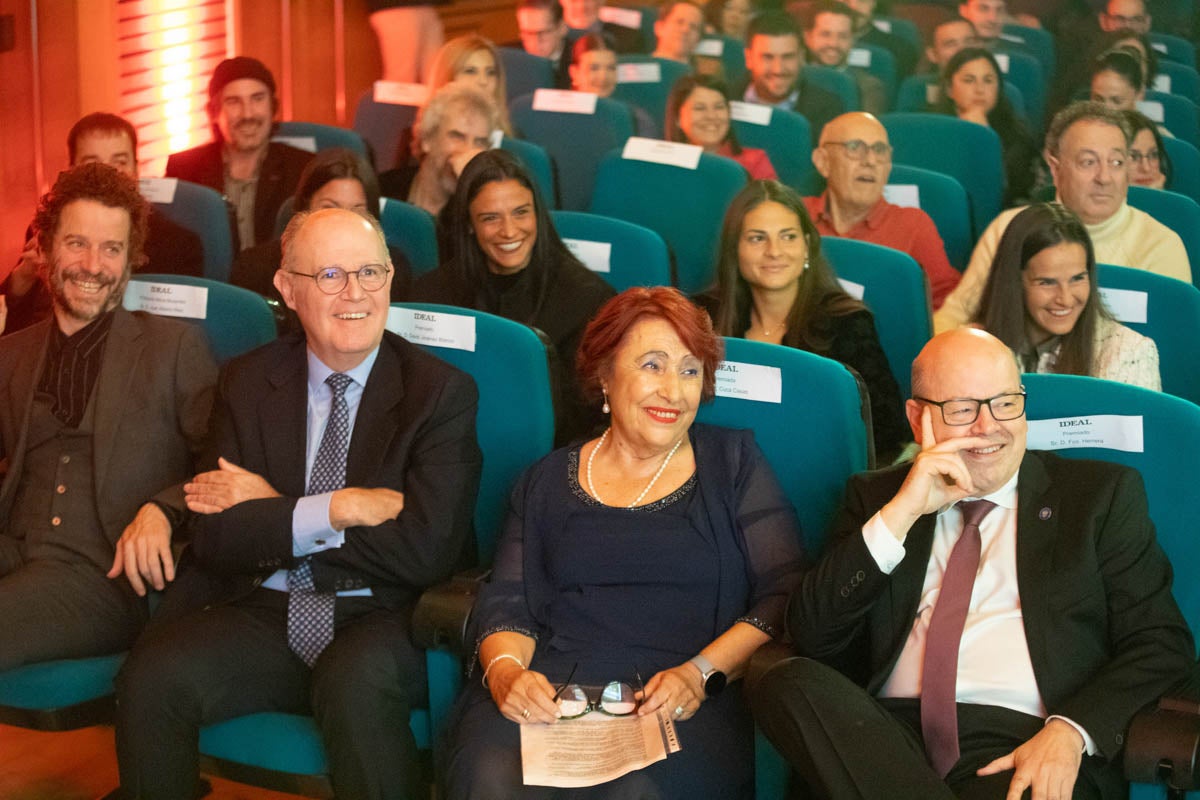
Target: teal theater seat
x=381 y=125
x=648 y=95
x=1179 y=213
x=787 y=138
x=413 y=230
x=1174 y=112
x=840 y=83
x=60 y=695
x=1185 y=167
x=524 y=73
x=1173 y=48
x=204 y=212
x=323 y=137
x=638 y=256
x=945 y=200
x=537 y=161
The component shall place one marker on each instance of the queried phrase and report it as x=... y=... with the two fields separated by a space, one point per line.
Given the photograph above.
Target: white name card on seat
x=855 y=290
x=1110 y=431
x=639 y=72
x=400 y=94
x=884 y=25
x=1011 y=37
x=859 y=57
x=714 y=48
x=749 y=382
x=933 y=93
x=433 y=328
x=564 y=101
x=1152 y=109
x=167 y=299
x=1162 y=83
x=1159 y=46
x=624 y=17
x=496 y=139
x=308 y=143
x=1002 y=60
x=903 y=194
x=158 y=190
x=673 y=154
x=752 y=113
x=596 y=256
x=1127 y=305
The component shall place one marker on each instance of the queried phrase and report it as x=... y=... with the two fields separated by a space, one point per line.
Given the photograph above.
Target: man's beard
x=88 y=307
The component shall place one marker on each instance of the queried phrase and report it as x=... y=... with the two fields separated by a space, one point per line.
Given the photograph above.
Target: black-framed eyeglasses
x=332 y=280
x=857 y=149
x=965 y=410
x=1136 y=156
x=616 y=698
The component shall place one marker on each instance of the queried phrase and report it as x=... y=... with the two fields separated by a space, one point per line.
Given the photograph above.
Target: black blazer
x=415 y=433
x=1105 y=635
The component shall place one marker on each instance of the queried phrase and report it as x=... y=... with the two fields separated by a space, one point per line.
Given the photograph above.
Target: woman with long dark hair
x=698 y=113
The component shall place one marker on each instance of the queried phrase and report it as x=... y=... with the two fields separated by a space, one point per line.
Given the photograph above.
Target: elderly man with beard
x=101 y=412
x=241 y=162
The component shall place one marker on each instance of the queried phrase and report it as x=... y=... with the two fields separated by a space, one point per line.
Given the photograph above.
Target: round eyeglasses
x=616 y=699
x=332 y=280
x=857 y=149
x=965 y=410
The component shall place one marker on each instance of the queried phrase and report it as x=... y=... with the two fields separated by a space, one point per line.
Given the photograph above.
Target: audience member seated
x=972 y=89
x=855 y=160
x=698 y=113
x=1040 y=301
x=579 y=593
x=100 y=417
x=774 y=61
x=335 y=178
x=960 y=653
x=728 y=17
x=583 y=16
x=774 y=286
x=1087 y=147
x=544 y=34
x=593 y=70
x=1075 y=77
x=451 y=128
x=988 y=17
x=867 y=32
x=828 y=37
x=677 y=31
x=1117 y=80
x=341 y=482
x=1149 y=164
x=241 y=162
x=472 y=61
x=504 y=256
x=169 y=248
x=947 y=39
x=1121 y=15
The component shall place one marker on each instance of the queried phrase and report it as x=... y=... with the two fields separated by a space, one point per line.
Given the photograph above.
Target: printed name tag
x=933 y=93
x=884 y=25
x=596 y=256
x=749 y=382
x=903 y=194
x=400 y=94
x=1152 y=109
x=433 y=328
x=1002 y=60
x=1109 y=431
x=1162 y=83
x=859 y=57
x=855 y=290
x=710 y=47
x=167 y=299
x=495 y=139
x=563 y=101
x=639 y=72
x=158 y=190
x=1127 y=305
x=625 y=17
x=753 y=113
x=675 y=154
x=308 y=143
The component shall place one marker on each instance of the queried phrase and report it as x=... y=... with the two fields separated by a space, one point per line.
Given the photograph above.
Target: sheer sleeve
x=856 y=344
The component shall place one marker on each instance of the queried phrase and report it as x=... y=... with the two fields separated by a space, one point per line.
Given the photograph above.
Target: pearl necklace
x=654 y=480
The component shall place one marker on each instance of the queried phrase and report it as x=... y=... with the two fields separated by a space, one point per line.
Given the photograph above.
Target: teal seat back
x=524 y=73
x=732 y=55
x=412 y=229
x=1173 y=48
x=324 y=137
x=236 y=320
x=1179 y=115
x=906 y=29
x=1040 y=44
x=381 y=126
x=1172 y=321
x=537 y=161
x=839 y=83
x=1185 y=167
x=1178 y=78
x=650 y=96
x=639 y=256
x=965 y=151
x=914 y=93
x=59 y=695
x=882 y=65
x=787 y=138
x=945 y=201
x=1179 y=213
x=815 y=438
x=575 y=142
x=896 y=290
x=205 y=213
x=685 y=207
x=1025 y=72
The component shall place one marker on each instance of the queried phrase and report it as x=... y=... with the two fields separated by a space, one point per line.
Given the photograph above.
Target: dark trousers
x=234 y=659
x=844 y=744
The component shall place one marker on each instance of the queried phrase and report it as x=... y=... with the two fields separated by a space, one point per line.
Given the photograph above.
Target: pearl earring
x=605 y=408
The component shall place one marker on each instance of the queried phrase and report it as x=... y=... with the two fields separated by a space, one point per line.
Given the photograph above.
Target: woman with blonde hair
x=472 y=60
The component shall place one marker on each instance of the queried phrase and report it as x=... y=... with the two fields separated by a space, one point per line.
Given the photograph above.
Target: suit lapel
x=283 y=419
x=26 y=370
x=904 y=595
x=376 y=425
x=1037 y=531
x=114 y=388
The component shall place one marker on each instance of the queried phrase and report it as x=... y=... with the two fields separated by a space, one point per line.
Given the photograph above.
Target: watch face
x=715 y=683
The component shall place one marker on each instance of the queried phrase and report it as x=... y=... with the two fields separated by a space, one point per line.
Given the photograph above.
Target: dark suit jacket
x=276 y=180
x=415 y=433
x=152 y=402
x=1105 y=636
x=818 y=105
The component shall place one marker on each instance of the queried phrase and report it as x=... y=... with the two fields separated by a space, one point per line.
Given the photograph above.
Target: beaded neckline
x=657 y=505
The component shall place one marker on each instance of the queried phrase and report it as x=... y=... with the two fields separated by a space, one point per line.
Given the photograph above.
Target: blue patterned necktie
x=310 y=613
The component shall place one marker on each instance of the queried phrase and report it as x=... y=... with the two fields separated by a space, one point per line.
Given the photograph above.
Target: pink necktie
x=939 y=717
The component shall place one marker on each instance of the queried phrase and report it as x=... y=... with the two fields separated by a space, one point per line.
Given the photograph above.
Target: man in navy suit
x=1067 y=624
x=342 y=482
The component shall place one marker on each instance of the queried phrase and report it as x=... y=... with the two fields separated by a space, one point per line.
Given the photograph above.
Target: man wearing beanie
x=253 y=173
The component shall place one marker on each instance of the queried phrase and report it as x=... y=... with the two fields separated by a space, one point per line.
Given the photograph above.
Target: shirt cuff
x=887 y=551
x=1089 y=744
x=311 y=531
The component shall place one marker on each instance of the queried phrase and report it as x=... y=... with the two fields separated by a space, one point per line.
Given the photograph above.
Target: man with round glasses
x=343 y=473
x=985 y=620
x=855 y=159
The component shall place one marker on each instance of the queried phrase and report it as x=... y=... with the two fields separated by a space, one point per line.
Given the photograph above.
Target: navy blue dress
x=622 y=592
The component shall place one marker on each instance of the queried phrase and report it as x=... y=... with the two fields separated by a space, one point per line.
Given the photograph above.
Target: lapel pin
x=1044 y=514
